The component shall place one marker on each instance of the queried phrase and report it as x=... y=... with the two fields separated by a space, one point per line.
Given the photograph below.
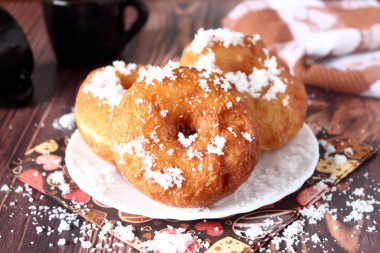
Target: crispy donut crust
x=277 y=123
x=92 y=115
x=148 y=135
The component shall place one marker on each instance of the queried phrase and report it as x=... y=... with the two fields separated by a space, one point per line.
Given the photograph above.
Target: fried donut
x=183 y=136
x=277 y=98
x=98 y=95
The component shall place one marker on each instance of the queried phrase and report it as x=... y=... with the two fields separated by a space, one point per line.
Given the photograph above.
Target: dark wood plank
x=170 y=28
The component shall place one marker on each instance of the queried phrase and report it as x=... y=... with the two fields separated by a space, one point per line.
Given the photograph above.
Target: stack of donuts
x=190 y=133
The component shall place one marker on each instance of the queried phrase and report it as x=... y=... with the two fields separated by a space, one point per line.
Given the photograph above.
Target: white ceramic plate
x=278 y=174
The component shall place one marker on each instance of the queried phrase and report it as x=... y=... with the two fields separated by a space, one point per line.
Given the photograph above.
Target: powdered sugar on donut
x=259 y=79
x=247 y=136
x=223 y=82
x=135 y=146
x=216 y=146
x=187 y=141
x=207 y=61
x=106 y=85
x=232 y=131
x=205 y=38
x=158 y=74
x=204 y=85
x=194 y=153
x=123 y=68
x=170 y=177
x=285 y=101
x=163 y=113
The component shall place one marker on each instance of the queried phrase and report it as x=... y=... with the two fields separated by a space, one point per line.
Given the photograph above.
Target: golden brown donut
x=277 y=98
x=183 y=136
x=97 y=97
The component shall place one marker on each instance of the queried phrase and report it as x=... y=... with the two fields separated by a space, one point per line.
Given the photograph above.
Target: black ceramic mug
x=85 y=32
x=16 y=62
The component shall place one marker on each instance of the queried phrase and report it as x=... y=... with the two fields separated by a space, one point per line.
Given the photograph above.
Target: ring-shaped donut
x=276 y=97
x=97 y=97
x=184 y=137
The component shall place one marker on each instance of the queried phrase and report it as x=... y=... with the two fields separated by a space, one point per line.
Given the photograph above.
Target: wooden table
x=170 y=27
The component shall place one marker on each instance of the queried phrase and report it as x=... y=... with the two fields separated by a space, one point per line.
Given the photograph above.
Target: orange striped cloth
x=334 y=45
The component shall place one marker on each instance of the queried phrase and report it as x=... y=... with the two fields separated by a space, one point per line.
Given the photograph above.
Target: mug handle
x=142 y=16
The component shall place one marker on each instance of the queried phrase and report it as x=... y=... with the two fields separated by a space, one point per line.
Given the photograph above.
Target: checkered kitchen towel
x=329 y=44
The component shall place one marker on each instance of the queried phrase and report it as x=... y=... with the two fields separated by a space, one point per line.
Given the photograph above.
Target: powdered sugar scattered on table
x=358 y=215
x=357 y=210
x=172 y=241
x=72 y=230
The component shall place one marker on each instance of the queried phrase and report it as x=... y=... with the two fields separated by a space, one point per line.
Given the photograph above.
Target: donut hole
x=186 y=128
